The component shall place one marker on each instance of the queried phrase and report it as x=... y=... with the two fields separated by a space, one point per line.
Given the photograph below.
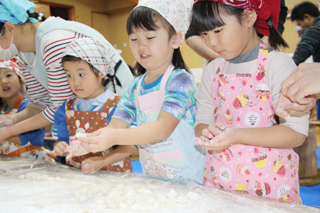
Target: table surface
x=28 y=185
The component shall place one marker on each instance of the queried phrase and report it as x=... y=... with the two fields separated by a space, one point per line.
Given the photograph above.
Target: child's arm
x=147 y=133
x=278 y=136
x=94 y=164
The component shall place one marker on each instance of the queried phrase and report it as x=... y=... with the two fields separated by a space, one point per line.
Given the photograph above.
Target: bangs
x=206 y=15
x=142 y=18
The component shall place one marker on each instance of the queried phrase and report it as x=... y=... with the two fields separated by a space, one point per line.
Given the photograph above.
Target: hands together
x=217 y=137
x=299 y=90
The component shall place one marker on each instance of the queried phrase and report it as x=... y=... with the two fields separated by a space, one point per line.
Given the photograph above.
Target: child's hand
x=219 y=137
x=91 y=165
x=99 y=140
x=60 y=149
x=286 y=107
x=5 y=120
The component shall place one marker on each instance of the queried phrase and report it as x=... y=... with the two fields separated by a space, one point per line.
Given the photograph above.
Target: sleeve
x=53 y=45
x=279 y=67
x=111 y=114
x=282 y=17
x=308 y=44
x=205 y=111
x=59 y=127
x=37 y=94
x=35 y=137
x=126 y=108
x=179 y=96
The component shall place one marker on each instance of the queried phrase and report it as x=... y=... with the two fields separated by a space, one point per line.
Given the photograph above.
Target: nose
x=76 y=81
x=211 y=40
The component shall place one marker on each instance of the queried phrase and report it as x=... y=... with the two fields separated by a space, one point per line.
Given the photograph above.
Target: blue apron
x=173 y=159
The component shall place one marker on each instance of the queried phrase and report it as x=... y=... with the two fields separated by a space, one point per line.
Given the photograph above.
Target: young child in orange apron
x=12 y=101
x=249 y=152
x=87 y=63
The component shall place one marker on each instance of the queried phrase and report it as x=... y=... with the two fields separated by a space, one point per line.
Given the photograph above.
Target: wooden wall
x=290 y=34
x=112 y=24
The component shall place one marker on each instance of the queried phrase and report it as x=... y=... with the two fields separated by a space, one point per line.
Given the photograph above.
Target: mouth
x=78 y=90
x=144 y=56
x=6 y=89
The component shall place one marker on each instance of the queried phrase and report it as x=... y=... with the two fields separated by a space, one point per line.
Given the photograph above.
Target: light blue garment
x=176 y=158
x=85 y=105
x=39 y=70
x=15 y=11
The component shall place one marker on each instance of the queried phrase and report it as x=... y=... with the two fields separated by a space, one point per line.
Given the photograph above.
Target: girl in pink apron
x=250 y=149
x=88 y=64
x=12 y=101
x=161 y=100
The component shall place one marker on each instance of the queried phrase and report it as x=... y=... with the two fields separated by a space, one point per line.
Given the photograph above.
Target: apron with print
x=28 y=150
x=173 y=159
x=88 y=122
x=244 y=101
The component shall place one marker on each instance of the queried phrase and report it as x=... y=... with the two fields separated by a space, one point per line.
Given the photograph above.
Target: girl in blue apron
x=161 y=100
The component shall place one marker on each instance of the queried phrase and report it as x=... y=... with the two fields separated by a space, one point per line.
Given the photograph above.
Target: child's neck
x=153 y=74
x=11 y=100
x=251 y=44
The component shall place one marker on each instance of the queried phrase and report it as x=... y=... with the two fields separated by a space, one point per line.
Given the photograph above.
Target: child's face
x=230 y=40
x=152 y=49
x=9 y=83
x=82 y=81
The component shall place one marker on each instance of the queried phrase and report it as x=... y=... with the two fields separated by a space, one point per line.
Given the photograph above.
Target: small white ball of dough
x=172 y=194
x=193 y=196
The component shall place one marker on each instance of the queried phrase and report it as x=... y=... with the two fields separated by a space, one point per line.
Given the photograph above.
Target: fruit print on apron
x=244 y=101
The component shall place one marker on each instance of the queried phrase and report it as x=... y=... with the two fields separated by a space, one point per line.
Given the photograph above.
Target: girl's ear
x=10 y=27
x=101 y=75
x=177 y=38
x=250 y=18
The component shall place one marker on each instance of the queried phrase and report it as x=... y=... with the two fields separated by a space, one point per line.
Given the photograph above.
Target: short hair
x=303 y=8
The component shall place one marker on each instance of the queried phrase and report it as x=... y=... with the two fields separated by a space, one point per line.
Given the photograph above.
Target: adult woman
x=40 y=46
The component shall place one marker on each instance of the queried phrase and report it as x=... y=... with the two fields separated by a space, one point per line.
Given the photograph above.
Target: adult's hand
x=302 y=83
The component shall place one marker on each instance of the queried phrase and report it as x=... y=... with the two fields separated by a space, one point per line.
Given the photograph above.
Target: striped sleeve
x=37 y=94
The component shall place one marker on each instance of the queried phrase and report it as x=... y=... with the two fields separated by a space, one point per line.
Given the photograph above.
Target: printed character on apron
x=90 y=121
x=174 y=158
x=266 y=172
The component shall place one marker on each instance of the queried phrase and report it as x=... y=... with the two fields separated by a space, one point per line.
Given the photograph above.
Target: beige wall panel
x=291 y=3
x=118 y=35
x=101 y=23
x=192 y=59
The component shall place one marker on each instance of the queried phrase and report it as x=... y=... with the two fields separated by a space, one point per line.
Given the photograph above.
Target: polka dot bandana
x=13 y=65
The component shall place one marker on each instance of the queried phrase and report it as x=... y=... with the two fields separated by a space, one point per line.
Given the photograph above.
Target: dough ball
x=83 y=190
x=81 y=135
x=144 y=208
x=182 y=200
x=94 y=187
x=57 y=178
x=193 y=196
x=172 y=194
x=123 y=207
x=112 y=206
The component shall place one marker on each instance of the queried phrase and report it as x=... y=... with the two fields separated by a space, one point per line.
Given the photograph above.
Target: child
x=87 y=63
x=12 y=101
x=248 y=152
x=162 y=99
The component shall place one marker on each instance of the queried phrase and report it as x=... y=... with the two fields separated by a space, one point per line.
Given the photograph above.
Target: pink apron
x=244 y=101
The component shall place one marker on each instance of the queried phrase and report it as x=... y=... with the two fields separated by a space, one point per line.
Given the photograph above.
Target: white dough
x=172 y=194
x=112 y=205
x=193 y=196
x=144 y=208
x=57 y=178
x=83 y=190
x=94 y=187
x=21 y=176
x=123 y=207
x=81 y=135
x=170 y=203
x=182 y=200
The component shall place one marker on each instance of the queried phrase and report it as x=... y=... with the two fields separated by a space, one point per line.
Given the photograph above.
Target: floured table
x=28 y=185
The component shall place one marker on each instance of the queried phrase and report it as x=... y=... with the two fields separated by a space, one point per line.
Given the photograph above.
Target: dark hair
x=145 y=18
x=35 y=15
x=20 y=81
x=300 y=10
x=77 y=59
x=206 y=16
